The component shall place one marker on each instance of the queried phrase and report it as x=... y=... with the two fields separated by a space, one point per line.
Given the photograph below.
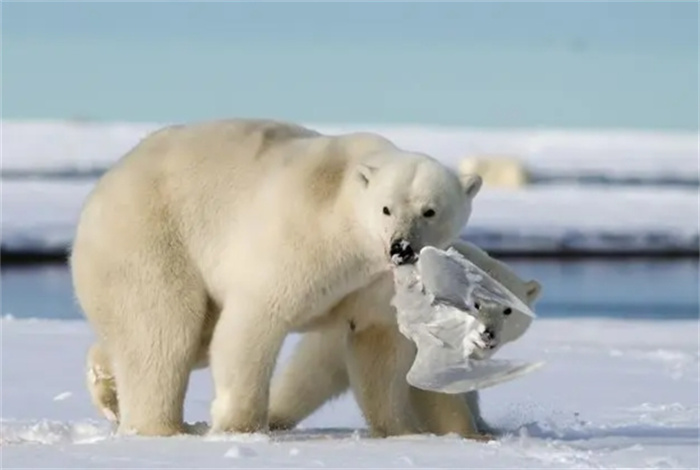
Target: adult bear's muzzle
x=401 y=252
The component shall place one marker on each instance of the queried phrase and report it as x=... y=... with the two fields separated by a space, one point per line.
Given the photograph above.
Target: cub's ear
x=533 y=289
x=471 y=183
x=365 y=173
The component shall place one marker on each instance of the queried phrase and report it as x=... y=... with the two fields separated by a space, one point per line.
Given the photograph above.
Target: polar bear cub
x=362 y=349
x=208 y=243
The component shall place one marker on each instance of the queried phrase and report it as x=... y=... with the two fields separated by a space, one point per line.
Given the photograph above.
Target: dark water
x=592 y=288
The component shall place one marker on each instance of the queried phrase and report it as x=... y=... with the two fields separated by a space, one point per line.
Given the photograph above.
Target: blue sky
x=640 y=23
x=573 y=64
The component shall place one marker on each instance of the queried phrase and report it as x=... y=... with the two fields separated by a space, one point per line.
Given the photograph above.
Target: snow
x=596 y=191
x=613 y=393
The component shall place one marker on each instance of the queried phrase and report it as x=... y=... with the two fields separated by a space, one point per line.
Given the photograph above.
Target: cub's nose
x=489 y=338
x=401 y=252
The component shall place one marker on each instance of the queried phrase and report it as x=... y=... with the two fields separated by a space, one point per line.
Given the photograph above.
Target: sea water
x=634 y=289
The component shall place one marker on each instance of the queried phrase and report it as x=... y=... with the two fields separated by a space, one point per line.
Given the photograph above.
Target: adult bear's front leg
x=244 y=349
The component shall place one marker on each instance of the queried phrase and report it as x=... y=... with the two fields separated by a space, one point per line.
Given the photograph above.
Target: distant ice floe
x=593 y=191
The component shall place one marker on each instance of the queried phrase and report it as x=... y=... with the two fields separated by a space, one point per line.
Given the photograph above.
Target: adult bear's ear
x=365 y=173
x=532 y=290
x=471 y=183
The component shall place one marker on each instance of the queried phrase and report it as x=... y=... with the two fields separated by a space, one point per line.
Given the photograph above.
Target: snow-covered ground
x=613 y=393
x=582 y=199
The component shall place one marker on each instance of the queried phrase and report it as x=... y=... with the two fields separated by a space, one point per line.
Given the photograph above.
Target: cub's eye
x=507 y=311
x=429 y=213
x=476 y=305
x=386 y=211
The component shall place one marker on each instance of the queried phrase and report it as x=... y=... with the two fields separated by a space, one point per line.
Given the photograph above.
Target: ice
x=585 y=409
x=238 y=452
x=49 y=167
x=87 y=148
x=435 y=309
x=39 y=216
x=52 y=432
x=63 y=396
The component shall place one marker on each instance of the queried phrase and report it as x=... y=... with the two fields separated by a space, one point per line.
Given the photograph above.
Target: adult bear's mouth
x=401 y=252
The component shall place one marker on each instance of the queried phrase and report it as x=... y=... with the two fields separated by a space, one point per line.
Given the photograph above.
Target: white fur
x=208 y=243
x=362 y=348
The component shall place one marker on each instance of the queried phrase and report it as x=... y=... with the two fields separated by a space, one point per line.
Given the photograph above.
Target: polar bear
x=362 y=349
x=208 y=243
x=497 y=171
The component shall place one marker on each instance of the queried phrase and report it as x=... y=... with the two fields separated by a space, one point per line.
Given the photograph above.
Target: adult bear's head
x=410 y=201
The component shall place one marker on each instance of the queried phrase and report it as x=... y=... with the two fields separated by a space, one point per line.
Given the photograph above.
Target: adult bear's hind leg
x=161 y=313
x=101 y=383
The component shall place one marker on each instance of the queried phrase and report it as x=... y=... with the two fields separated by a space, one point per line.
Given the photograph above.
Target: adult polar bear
x=361 y=348
x=210 y=242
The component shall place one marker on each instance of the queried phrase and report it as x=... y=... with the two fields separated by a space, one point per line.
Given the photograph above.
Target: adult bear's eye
x=429 y=213
x=507 y=311
x=386 y=211
x=476 y=305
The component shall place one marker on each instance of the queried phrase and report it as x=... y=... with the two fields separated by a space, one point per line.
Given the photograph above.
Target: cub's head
x=502 y=324
x=410 y=201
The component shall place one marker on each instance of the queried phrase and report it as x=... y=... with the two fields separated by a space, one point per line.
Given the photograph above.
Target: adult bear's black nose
x=401 y=252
